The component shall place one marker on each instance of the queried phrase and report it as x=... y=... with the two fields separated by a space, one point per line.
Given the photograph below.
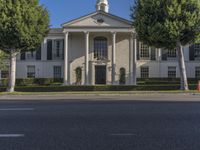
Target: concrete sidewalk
x=136 y=96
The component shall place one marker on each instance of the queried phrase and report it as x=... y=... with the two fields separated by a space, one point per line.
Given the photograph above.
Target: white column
x=113 y=57
x=66 y=73
x=131 y=69
x=159 y=55
x=86 y=58
x=135 y=62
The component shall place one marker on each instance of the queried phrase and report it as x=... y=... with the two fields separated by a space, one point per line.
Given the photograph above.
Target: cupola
x=102 y=5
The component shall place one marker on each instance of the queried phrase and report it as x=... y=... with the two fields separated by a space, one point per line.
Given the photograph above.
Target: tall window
x=171 y=72
x=57 y=72
x=78 y=75
x=197 y=72
x=171 y=53
x=31 y=71
x=30 y=55
x=122 y=77
x=144 y=72
x=144 y=51
x=100 y=48
x=197 y=51
x=58 y=49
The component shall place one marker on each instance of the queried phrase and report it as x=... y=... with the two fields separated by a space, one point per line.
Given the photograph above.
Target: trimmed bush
x=97 y=88
x=33 y=81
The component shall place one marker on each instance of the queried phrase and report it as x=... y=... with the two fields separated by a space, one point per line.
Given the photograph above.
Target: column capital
x=133 y=35
x=113 y=32
x=66 y=34
x=86 y=32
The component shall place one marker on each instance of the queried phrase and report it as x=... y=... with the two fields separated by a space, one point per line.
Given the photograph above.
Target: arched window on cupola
x=100 y=48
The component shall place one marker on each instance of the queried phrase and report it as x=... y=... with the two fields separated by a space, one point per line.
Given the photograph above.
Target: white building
x=101 y=48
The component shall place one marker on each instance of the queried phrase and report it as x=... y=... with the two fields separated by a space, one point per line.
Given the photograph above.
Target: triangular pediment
x=99 y=19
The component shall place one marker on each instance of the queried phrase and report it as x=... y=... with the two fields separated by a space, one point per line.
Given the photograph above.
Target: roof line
x=96 y=12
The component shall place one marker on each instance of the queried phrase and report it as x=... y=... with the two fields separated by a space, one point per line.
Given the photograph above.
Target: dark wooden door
x=100 y=74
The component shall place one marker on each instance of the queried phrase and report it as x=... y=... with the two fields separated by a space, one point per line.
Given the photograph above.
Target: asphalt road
x=99 y=125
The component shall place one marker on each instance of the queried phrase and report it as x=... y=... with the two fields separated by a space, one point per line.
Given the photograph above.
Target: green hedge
x=59 y=81
x=33 y=81
x=97 y=88
x=158 y=81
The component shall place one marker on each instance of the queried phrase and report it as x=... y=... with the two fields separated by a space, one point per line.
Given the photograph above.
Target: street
x=99 y=125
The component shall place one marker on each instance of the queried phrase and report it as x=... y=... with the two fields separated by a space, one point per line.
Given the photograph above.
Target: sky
x=65 y=10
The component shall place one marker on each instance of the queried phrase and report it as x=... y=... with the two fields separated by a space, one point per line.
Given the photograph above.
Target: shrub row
x=33 y=81
x=158 y=81
x=97 y=88
x=52 y=81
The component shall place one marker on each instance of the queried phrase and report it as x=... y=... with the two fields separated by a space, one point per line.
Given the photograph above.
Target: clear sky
x=65 y=10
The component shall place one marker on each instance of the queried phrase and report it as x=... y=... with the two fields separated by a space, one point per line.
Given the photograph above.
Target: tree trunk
x=181 y=60
x=12 y=71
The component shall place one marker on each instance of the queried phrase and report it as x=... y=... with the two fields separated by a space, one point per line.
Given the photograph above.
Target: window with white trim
x=30 y=71
x=57 y=71
x=197 y=51
x=58 y=49
x=171 y=72
x=100 y=48
x=197 y=72
x=171 y=53
x=144 y=72
x=144 y=51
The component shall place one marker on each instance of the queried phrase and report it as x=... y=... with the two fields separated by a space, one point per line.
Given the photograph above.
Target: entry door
x=100 y=74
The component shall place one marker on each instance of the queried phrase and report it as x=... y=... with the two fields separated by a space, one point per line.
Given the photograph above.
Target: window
x=197 y=51
x=78 y=76
x=30 y=71
x=49 y=49
x=144 y=72
x=197 y=72
x=23 y=56
x=38 y=52
x=57 y=47
x=171 y=72
x=57 y=72
x=30 y=55
x=58 y=51
x=144 y=51
x=100 y=48
x=4 y=74
x=171 y=53
x=122 y=76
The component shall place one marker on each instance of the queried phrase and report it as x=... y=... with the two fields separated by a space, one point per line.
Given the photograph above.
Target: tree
x=23 y=25
x=168 y=24
x=3 y=60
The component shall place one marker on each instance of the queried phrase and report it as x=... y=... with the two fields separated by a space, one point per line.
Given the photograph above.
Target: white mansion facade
x=101 y=48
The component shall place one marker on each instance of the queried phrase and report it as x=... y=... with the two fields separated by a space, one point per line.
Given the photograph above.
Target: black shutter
x=23 y=56
x=192 y=53
x=63 y=50
x=153 y=53
x=138 y=50
x=164 y=54
x=49 y=49
x=38 y=53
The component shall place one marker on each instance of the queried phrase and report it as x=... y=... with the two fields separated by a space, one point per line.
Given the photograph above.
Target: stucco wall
x=44 y=68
